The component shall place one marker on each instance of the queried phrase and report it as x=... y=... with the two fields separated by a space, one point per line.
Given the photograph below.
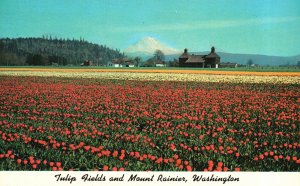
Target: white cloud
x=215 y=24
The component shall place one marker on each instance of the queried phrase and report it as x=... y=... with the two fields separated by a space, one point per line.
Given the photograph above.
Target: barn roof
x=185 y=54
x=212 y=55
x=196 y=59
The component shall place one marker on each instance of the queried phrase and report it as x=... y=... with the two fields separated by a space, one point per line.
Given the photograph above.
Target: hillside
x=47 y=51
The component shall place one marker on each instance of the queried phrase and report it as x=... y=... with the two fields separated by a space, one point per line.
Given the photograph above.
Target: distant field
x=159 y=74
x=246 y=69
x=220 y=71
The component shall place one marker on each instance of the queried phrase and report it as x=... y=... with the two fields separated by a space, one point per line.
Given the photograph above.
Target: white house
x=114 y=64
x=160 y=64
x=121 y=62
x=130 y=65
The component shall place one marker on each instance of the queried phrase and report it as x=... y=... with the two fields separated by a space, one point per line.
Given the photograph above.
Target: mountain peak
x=149 y=39
x=149 y=45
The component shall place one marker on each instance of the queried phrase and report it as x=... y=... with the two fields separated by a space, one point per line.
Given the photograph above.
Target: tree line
x=49 y=51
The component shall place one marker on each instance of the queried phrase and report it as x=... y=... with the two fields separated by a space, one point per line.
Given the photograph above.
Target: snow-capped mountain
x=148 y=46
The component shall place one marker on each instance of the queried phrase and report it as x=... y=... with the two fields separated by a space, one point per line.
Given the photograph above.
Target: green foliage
x=137 y=61
x=250 y=62
x=159 y=55
x=174 y=63
x=149 y=63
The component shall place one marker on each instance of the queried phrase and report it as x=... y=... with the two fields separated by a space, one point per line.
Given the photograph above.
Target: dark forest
x=47 y=51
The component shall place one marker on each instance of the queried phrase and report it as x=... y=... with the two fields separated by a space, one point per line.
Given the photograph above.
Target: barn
x=211 y=60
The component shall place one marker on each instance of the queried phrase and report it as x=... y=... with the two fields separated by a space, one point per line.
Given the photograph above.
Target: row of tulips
x=98 y=124
x=165 y=75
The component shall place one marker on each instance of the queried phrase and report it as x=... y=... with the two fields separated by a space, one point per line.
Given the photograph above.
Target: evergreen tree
x=47 y=51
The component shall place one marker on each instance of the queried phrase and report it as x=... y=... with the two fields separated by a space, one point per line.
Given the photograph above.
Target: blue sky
x=268 y=27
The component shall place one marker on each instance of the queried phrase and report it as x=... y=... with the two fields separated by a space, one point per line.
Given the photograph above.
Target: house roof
x=160 y=62
x=122 y=60
x=196 y=59
x=115 y=61
x=129 y=63
x=126 y=60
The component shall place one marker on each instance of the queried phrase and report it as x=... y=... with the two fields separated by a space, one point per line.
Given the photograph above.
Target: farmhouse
x=212 y=60
x=121 y=62
x=160 y=64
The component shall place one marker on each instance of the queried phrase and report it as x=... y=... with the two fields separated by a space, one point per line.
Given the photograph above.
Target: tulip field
x=129 y=124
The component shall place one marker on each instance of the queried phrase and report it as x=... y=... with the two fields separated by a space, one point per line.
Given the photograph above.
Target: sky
x=269 y=27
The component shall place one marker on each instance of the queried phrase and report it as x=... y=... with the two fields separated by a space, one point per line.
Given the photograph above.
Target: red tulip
x=188 y=168
x=105 y=168
x=237 y=169
x=19 y=161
